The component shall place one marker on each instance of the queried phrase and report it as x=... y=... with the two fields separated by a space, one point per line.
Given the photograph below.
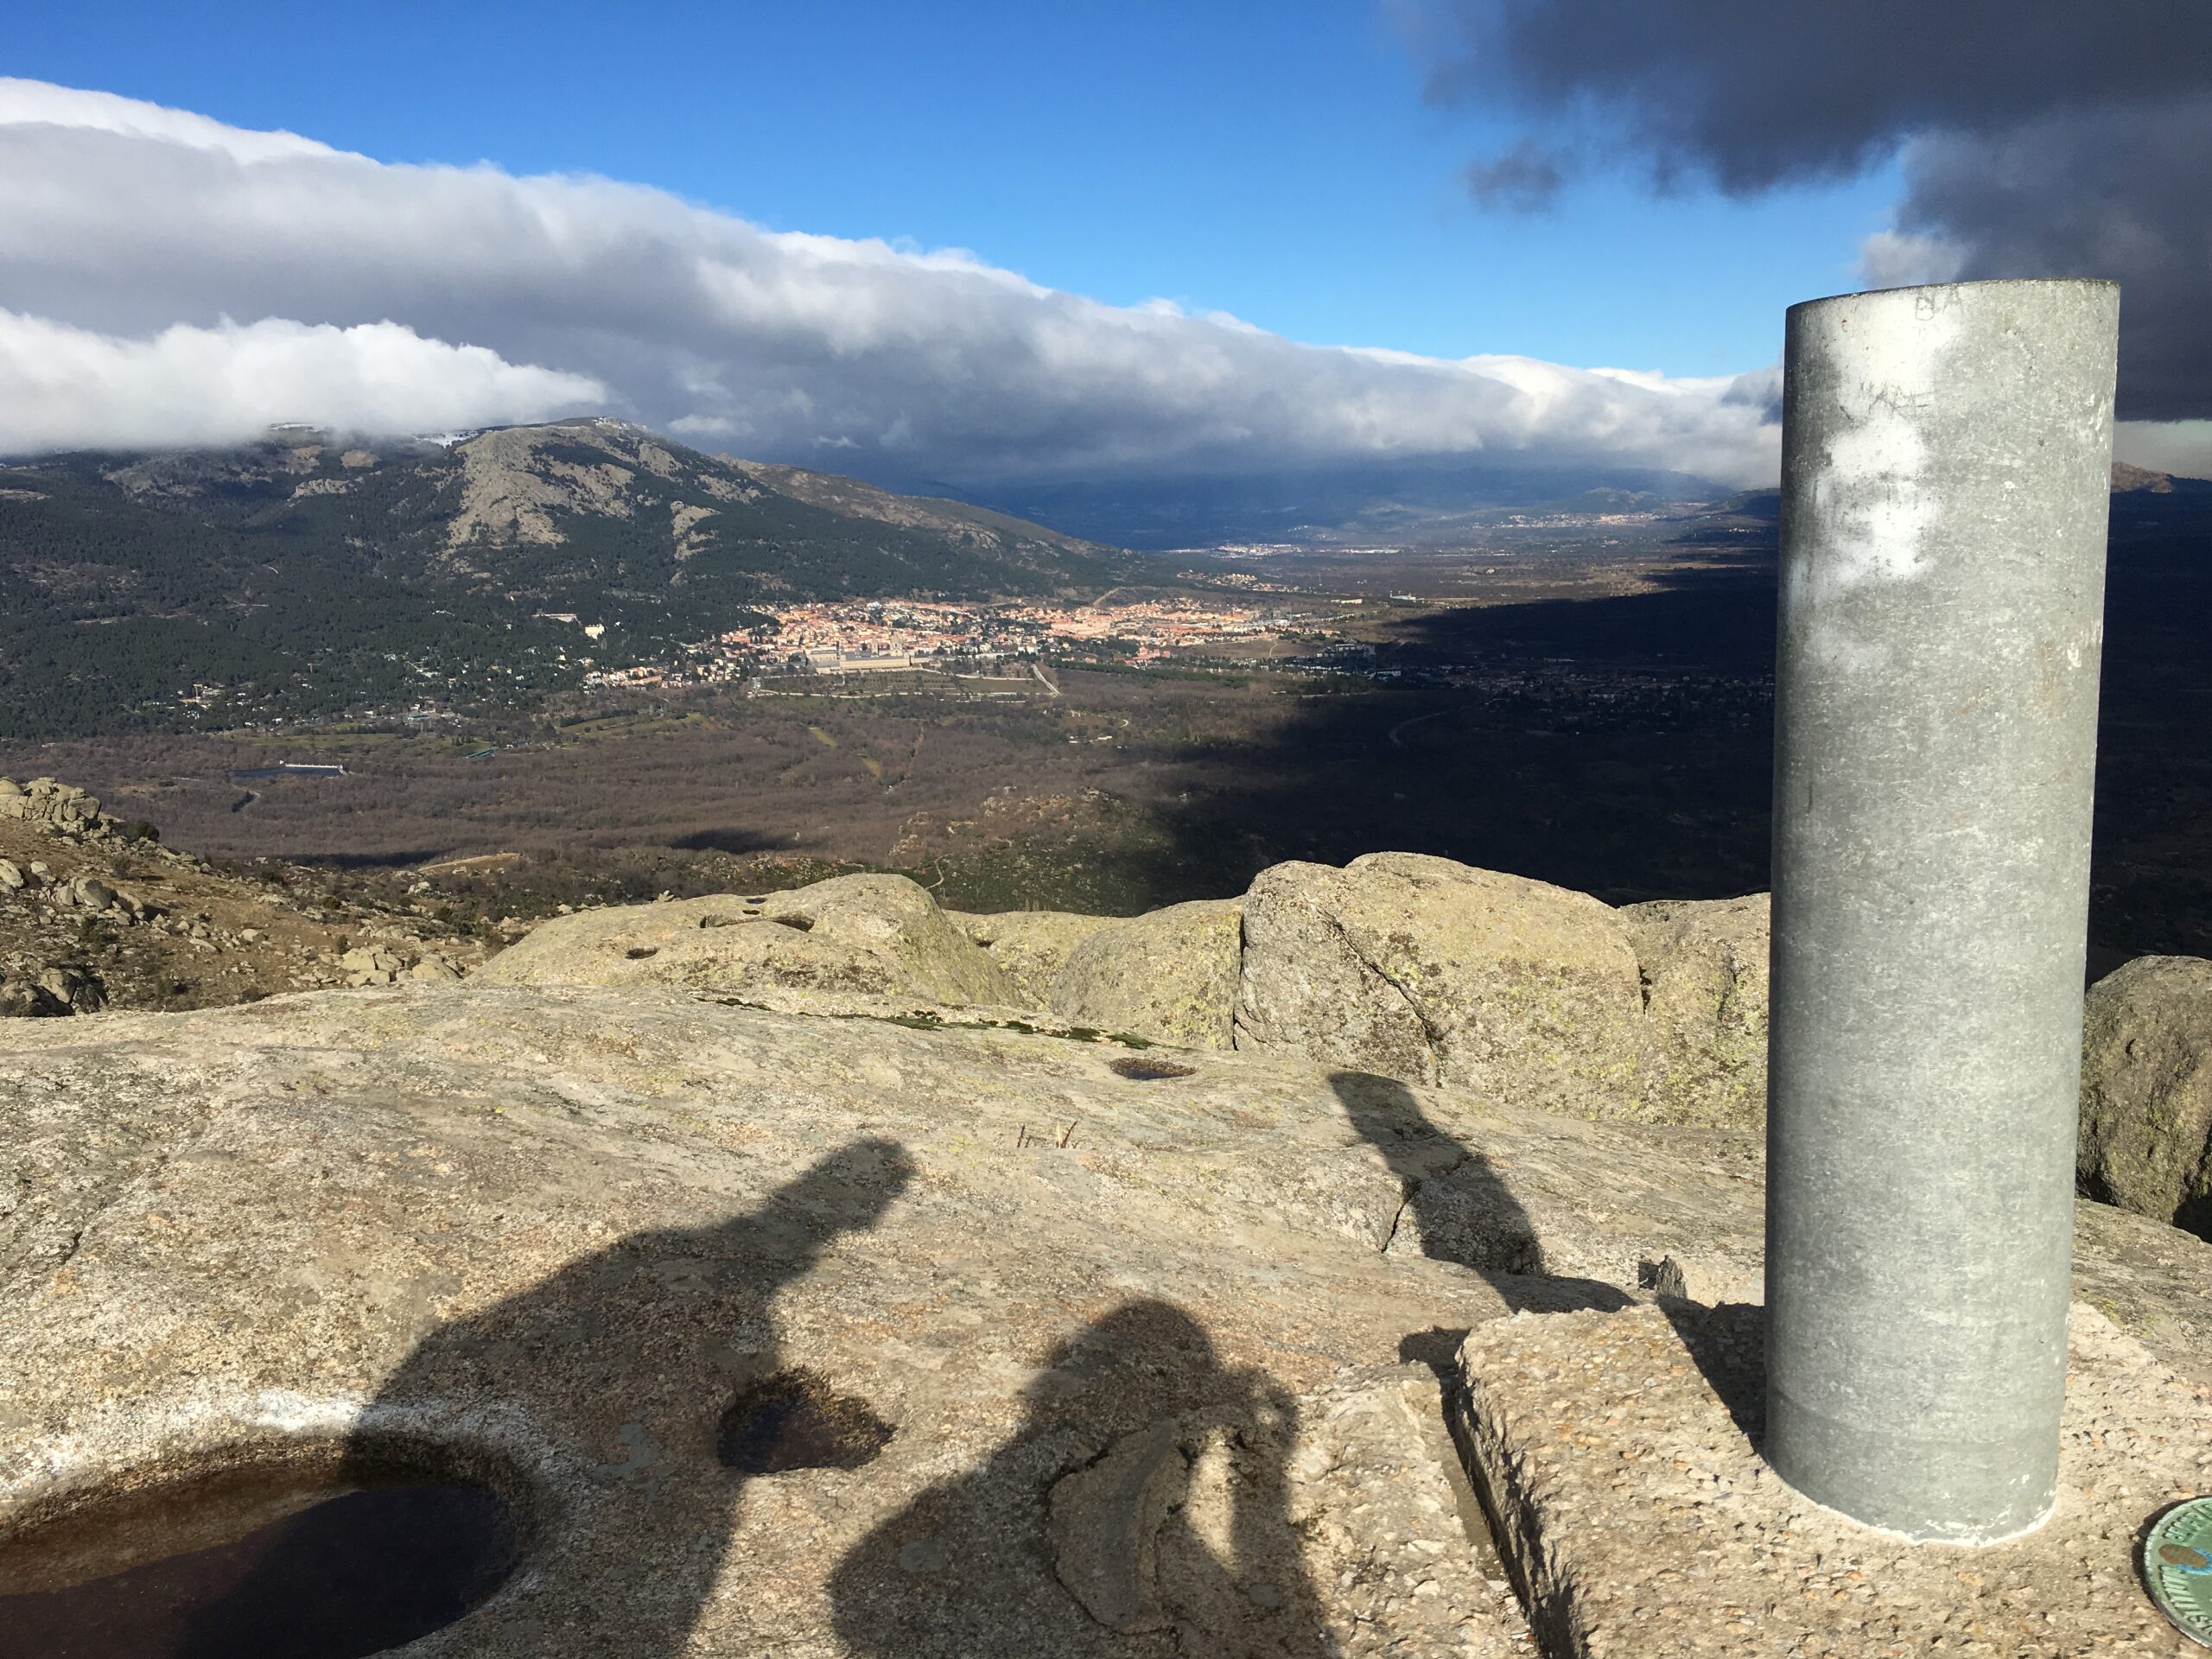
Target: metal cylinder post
x=1946 y=460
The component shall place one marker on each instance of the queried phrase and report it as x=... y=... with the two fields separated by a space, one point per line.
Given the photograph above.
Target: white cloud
x=37 y=102
x=1897 y=259
x=124 y=221
x=63 y=387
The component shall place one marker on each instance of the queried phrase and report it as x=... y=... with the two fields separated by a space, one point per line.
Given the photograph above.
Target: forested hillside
x=306 y=576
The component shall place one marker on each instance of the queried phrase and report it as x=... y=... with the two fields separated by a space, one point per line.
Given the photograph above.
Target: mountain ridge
x=2129 y=480
x=310 y=573
x=1434 y=502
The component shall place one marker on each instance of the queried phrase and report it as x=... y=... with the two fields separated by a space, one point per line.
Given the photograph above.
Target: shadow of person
x=1141 y=1508
x=1459 y=1210
x=597 y=1400
x=1456 y=1206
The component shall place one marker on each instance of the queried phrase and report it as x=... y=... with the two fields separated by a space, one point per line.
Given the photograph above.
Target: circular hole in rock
x=795 y=1420
x=1143 y=1071
x=267 y=1562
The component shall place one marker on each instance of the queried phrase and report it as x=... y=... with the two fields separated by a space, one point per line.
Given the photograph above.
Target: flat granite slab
x=777 y=1338
x=1099 y=1360
x=1617 y=1452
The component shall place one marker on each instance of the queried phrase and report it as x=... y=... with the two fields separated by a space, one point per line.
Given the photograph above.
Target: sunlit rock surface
x=827 y=948
x=1169 y=975
x=1702 y=1047
x=1422 y=968
x=1030 y=947
x=2146 y=1090
x=799 y=1334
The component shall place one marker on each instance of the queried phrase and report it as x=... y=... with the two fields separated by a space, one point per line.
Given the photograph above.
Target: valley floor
x=1611 y=732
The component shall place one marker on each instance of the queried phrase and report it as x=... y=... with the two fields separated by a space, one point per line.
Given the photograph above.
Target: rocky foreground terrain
x=1399 y=964
x=96 y=913
x=821 y=1273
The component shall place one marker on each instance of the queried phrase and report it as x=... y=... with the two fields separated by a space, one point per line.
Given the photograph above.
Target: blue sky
x=1275 y=162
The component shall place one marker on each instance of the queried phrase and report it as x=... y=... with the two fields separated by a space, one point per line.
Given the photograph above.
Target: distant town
x=886 y=635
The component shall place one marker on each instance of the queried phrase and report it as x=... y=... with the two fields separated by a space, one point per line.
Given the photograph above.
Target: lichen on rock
x=2146 y=1090
x=1434 y=971
x=845 y=945
x=1703 y=967
x=1030 y=947
x=1169 y=975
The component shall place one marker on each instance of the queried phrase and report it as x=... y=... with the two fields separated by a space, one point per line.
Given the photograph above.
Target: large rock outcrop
x=62 y=809
x=854 y=944
x=1408 y=966
x=778 y=1333
x=1404 y=965
x=1169 y=975
x=2146 y=1090
x=1030 y=947
x=829 y=1337
x=1433 y=971
x=1423 y=968
x=1702 y=1045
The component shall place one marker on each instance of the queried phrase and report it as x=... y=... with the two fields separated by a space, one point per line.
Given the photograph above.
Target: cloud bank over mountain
x=2035 y=140
x=62 y=387
x=173 y=280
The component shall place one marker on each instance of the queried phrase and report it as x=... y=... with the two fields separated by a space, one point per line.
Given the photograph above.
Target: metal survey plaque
x=2178 y=1567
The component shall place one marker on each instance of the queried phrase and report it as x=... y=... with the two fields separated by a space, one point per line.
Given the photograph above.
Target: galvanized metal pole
x=1946 y=455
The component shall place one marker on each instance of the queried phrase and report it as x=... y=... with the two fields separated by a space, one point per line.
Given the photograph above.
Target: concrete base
x=1616 y=1452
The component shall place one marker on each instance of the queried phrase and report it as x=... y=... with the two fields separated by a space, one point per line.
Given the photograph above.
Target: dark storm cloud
x=2120 y=193
x=2038 y=137
x=1758 y=93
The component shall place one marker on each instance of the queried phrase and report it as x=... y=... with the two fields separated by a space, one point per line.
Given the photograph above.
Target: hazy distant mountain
x=1749 y=517
x=306 y=575
x=1413 y=504
x=2141 y=480
x=624 y=501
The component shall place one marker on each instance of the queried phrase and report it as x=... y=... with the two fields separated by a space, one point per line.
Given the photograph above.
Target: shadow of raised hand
x=598 y=1400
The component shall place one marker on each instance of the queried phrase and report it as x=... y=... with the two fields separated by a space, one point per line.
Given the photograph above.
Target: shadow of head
x=1457 y=1208
x=1142 y=1361
x=1140 y=1498
x=847 y=1190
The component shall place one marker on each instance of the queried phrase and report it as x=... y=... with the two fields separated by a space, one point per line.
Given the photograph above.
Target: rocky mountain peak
x=2127 y=479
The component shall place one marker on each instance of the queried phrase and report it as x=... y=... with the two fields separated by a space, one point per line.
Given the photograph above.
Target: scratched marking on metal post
x=2177 y=1568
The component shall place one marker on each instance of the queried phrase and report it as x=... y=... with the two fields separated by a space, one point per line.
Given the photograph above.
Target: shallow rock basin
x=256 y=1563
x=1150 y=1070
